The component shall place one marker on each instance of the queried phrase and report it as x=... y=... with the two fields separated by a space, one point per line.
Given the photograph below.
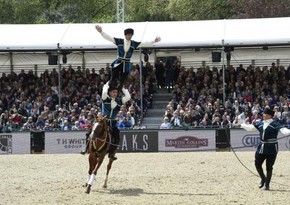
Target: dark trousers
x=115 y=139
x=118 y=74
x=270 y=161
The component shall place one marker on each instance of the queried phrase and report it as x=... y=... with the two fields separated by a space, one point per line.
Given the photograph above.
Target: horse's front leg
x=107 y=174
x=92 y=164
x=94 y=173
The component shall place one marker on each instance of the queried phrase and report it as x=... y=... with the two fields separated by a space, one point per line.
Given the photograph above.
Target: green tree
x=26 y=11
x=149 y=10
x=261 y=8
x=6 y=12
x=199 y=9
x=77 y=11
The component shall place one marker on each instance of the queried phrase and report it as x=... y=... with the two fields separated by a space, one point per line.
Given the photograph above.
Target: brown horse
x=99 y=145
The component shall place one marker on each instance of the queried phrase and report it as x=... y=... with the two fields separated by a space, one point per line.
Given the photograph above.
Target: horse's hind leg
x=108 y=170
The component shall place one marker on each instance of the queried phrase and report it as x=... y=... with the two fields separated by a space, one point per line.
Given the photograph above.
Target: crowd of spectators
x=31 y=102
x=197 y=95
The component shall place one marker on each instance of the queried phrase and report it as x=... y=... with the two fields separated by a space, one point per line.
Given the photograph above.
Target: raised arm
x=285 y=131
x=248 y=127
x=149 y=43
x=105 y=91
x=105 y=36
x=126 y=96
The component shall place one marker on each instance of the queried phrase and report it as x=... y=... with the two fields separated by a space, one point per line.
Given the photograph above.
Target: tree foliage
x=261 y=8
x=78 y=11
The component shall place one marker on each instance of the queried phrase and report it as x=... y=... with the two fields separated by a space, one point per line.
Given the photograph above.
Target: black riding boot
x=263 y=178
x=84 y=151
x=115 y=140
x=268 y=180
x=112 y=152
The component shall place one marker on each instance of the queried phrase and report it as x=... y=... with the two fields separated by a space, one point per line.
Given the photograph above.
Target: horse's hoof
x=105 y=186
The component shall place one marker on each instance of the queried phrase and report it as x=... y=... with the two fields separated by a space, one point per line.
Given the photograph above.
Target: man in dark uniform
x=268 y=146
x=111 y=104
x=125 y=48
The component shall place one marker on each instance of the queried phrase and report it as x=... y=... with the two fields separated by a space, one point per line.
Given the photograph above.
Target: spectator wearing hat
x=125 y=49
x=268 y=146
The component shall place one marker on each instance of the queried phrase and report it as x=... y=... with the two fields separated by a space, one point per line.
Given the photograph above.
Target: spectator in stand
x=285 y=114
x=187 y=119
x=206 y=121
x=16 y=120
x=29 y=125
x=76 y=126
x=255 y=117
x=124 y=123
x=169 y=112
x=176 y=120
x=40 y=123
x=277 y=113
x=216 y=122
x=226 y=121
x=4 y=119
x=55 y=125
x=169 y=76
x=87 y=125
x=66 y=126
x=166 y=124
x=159 y=72
x=131 y=119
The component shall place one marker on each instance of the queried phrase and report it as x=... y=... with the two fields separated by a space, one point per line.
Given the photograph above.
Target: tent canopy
x=174 y=34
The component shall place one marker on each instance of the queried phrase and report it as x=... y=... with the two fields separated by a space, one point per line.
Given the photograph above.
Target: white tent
x=25 y=45
x=175 y=34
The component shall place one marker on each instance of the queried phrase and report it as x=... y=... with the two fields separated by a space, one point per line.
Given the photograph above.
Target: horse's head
x=100 y=127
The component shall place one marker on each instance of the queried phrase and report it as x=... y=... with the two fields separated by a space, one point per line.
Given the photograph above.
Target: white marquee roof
x=174 y=34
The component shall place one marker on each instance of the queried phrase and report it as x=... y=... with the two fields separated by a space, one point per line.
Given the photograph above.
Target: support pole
x=140 y=74
x=59 y=75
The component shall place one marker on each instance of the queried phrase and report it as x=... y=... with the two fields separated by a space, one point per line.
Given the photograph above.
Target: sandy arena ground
x=142 y=178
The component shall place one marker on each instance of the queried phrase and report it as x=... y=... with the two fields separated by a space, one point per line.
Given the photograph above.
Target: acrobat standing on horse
x=111 y=104
x=125 y=48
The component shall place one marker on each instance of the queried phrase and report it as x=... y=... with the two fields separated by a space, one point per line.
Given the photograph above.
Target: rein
x=100 y=134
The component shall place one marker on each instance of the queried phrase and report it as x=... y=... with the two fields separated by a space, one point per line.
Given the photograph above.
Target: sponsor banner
x=248 y=141
x=5 y=144
x=21 y=143
x=191 y=140
x=287 y=142
x=138 y=141
x=15 y=143
x=64 y=142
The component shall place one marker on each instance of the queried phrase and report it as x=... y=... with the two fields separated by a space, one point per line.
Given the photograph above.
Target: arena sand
x=142 y=178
